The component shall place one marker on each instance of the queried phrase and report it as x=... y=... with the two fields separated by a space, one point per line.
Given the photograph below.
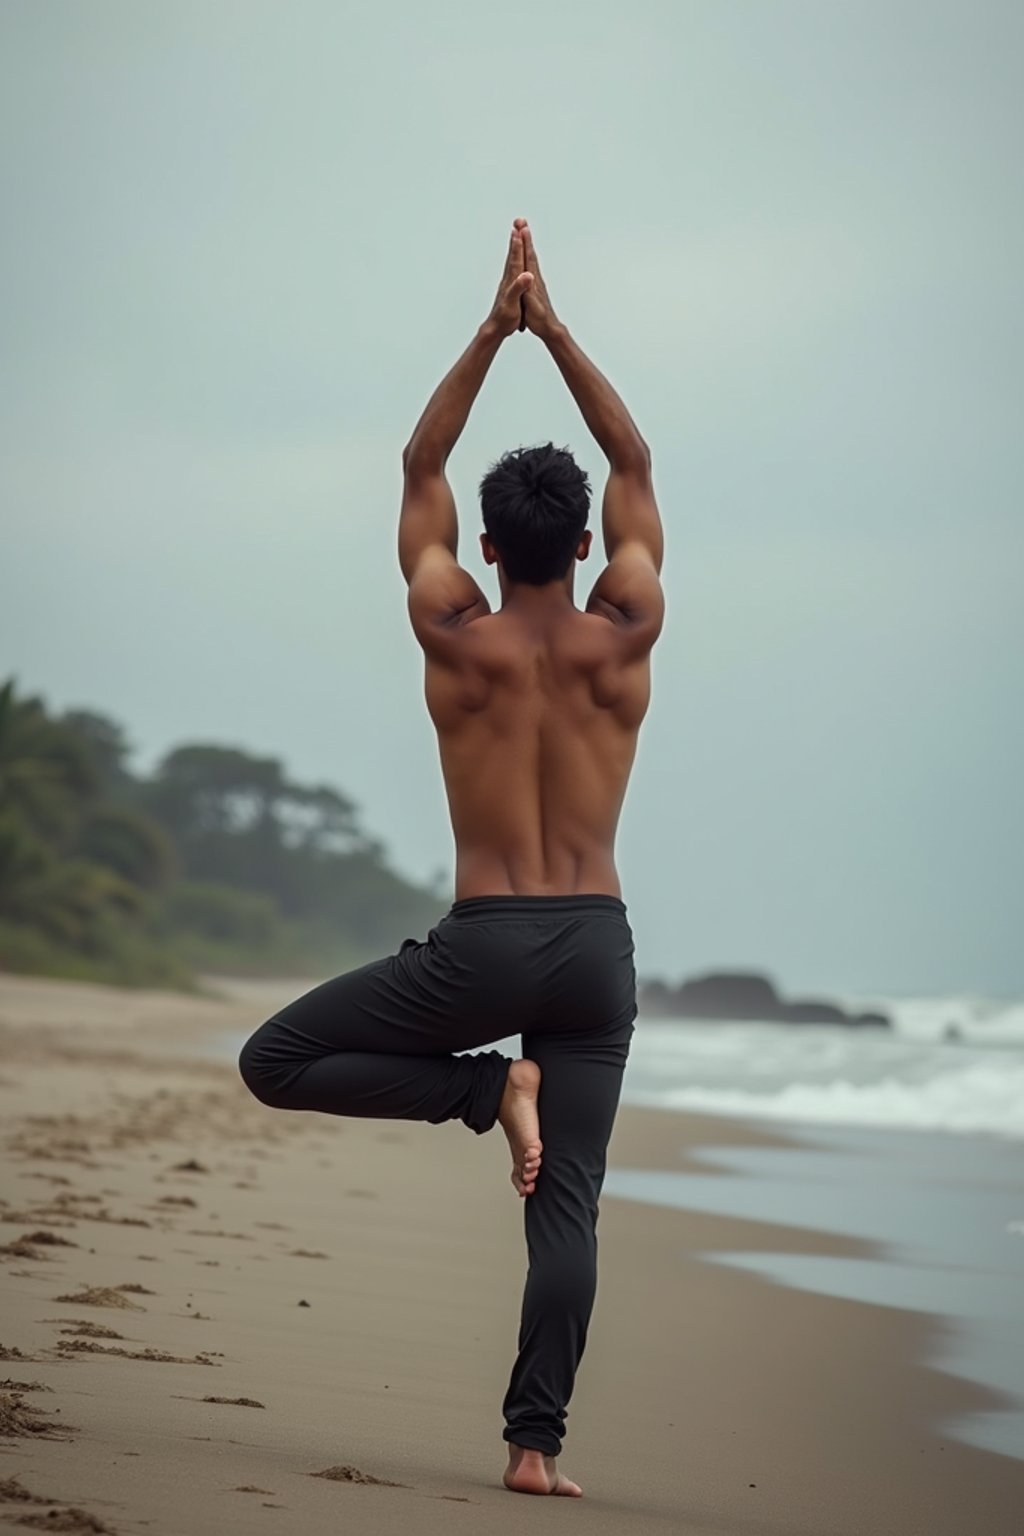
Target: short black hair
x=535 y=503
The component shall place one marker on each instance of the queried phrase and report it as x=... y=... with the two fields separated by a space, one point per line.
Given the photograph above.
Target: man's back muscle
x=537 y=713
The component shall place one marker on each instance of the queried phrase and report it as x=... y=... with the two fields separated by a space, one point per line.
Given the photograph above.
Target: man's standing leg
x=581 y=1080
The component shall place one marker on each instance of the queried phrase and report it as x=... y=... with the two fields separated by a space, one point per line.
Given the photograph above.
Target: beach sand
x=357 y=1286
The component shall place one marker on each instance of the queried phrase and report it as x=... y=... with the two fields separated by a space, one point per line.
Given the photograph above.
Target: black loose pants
x=379 y=1041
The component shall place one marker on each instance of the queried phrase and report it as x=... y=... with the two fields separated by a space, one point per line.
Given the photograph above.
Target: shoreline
x=707 y=1401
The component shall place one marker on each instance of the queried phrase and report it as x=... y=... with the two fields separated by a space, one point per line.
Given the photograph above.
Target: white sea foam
x=912 y=1076
x=978 y=1020
x=980 y=1099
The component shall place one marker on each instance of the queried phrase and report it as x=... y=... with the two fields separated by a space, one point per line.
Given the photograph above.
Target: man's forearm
x=603 y=410
x=448 y=408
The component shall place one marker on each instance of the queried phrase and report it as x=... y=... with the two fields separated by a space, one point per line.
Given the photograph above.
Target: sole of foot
x=532 y=1472
x=519 y=1119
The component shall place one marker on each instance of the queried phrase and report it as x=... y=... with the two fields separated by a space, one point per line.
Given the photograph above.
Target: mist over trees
x=217 y=861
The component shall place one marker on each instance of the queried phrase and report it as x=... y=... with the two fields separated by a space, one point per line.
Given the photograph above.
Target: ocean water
x=917 y=1075
x=947 y=1212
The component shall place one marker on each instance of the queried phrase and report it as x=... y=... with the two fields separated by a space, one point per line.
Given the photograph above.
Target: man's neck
x=521 y=597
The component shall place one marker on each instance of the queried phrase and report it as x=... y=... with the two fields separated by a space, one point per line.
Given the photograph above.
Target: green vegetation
x=217 y=862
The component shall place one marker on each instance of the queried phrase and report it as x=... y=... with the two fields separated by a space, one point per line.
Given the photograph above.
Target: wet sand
x=356 y=1287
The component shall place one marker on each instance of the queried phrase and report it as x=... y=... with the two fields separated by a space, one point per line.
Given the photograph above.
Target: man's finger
x=516 y=261
x=529 y=252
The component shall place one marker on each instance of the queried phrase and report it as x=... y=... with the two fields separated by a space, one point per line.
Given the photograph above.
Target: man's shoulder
x=588 y=640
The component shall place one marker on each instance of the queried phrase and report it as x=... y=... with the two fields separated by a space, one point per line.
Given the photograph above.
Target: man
x=537 y=708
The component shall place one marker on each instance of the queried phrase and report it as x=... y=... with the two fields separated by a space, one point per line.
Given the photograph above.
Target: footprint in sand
x=246 y=1237
x=52 y=1239
x=69 y=1518
x=159 y=1356
x=354 y=1475
x=18 y=1419
x=12 y=1492
x=21 y=1249
x=85 y=1329
x=101 y=1296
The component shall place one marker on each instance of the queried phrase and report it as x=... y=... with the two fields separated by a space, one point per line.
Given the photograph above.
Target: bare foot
x=533 y=1472
x=517 y=1115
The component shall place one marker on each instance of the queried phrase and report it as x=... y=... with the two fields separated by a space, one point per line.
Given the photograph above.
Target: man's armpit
x=442 y=597
x=629 y=592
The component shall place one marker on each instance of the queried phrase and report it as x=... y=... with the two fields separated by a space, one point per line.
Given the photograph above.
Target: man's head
x=535 y=503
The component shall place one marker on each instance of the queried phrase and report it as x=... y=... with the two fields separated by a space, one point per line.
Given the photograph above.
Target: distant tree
x=108 y=746
x=74 y=903
x=24 y=859
x=131 y=844
x=201 y=789
x=331 y=825
x=51 y=825
x=221 y=912
x=238 y=819
x=46 y=770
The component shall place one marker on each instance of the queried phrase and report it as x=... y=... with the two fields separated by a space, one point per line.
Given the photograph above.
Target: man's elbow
x=633 y=457
x=421 y=459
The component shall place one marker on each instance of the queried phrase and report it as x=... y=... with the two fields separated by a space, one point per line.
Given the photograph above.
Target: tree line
x=217 y=861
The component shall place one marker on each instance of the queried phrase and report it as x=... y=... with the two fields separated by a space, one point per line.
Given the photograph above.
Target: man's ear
x=488 y=550
x=583 y=547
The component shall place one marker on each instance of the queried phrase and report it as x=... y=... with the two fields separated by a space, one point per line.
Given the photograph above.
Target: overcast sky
x=244 y=241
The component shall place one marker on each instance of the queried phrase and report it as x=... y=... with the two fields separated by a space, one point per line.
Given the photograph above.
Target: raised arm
x=439 y=588
x=628 y=590
x=629 y=513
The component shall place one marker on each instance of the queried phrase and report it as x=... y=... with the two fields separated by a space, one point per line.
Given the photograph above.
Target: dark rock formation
x=742 y=995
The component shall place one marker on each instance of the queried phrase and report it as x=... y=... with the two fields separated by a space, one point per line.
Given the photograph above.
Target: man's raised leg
x=358 y=1045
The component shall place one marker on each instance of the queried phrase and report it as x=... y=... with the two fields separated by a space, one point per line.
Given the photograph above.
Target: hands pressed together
x=522 y=301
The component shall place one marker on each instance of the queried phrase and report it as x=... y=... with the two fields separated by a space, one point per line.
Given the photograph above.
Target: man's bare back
x=537 y=720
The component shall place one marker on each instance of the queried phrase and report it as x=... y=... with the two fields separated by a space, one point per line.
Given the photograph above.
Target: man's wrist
x=490 y=332
x=555 y=333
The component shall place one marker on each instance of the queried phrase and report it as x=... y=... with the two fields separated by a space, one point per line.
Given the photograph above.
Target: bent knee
x=257 y=1067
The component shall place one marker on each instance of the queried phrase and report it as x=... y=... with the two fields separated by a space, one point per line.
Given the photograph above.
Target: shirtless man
x=537 y=708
